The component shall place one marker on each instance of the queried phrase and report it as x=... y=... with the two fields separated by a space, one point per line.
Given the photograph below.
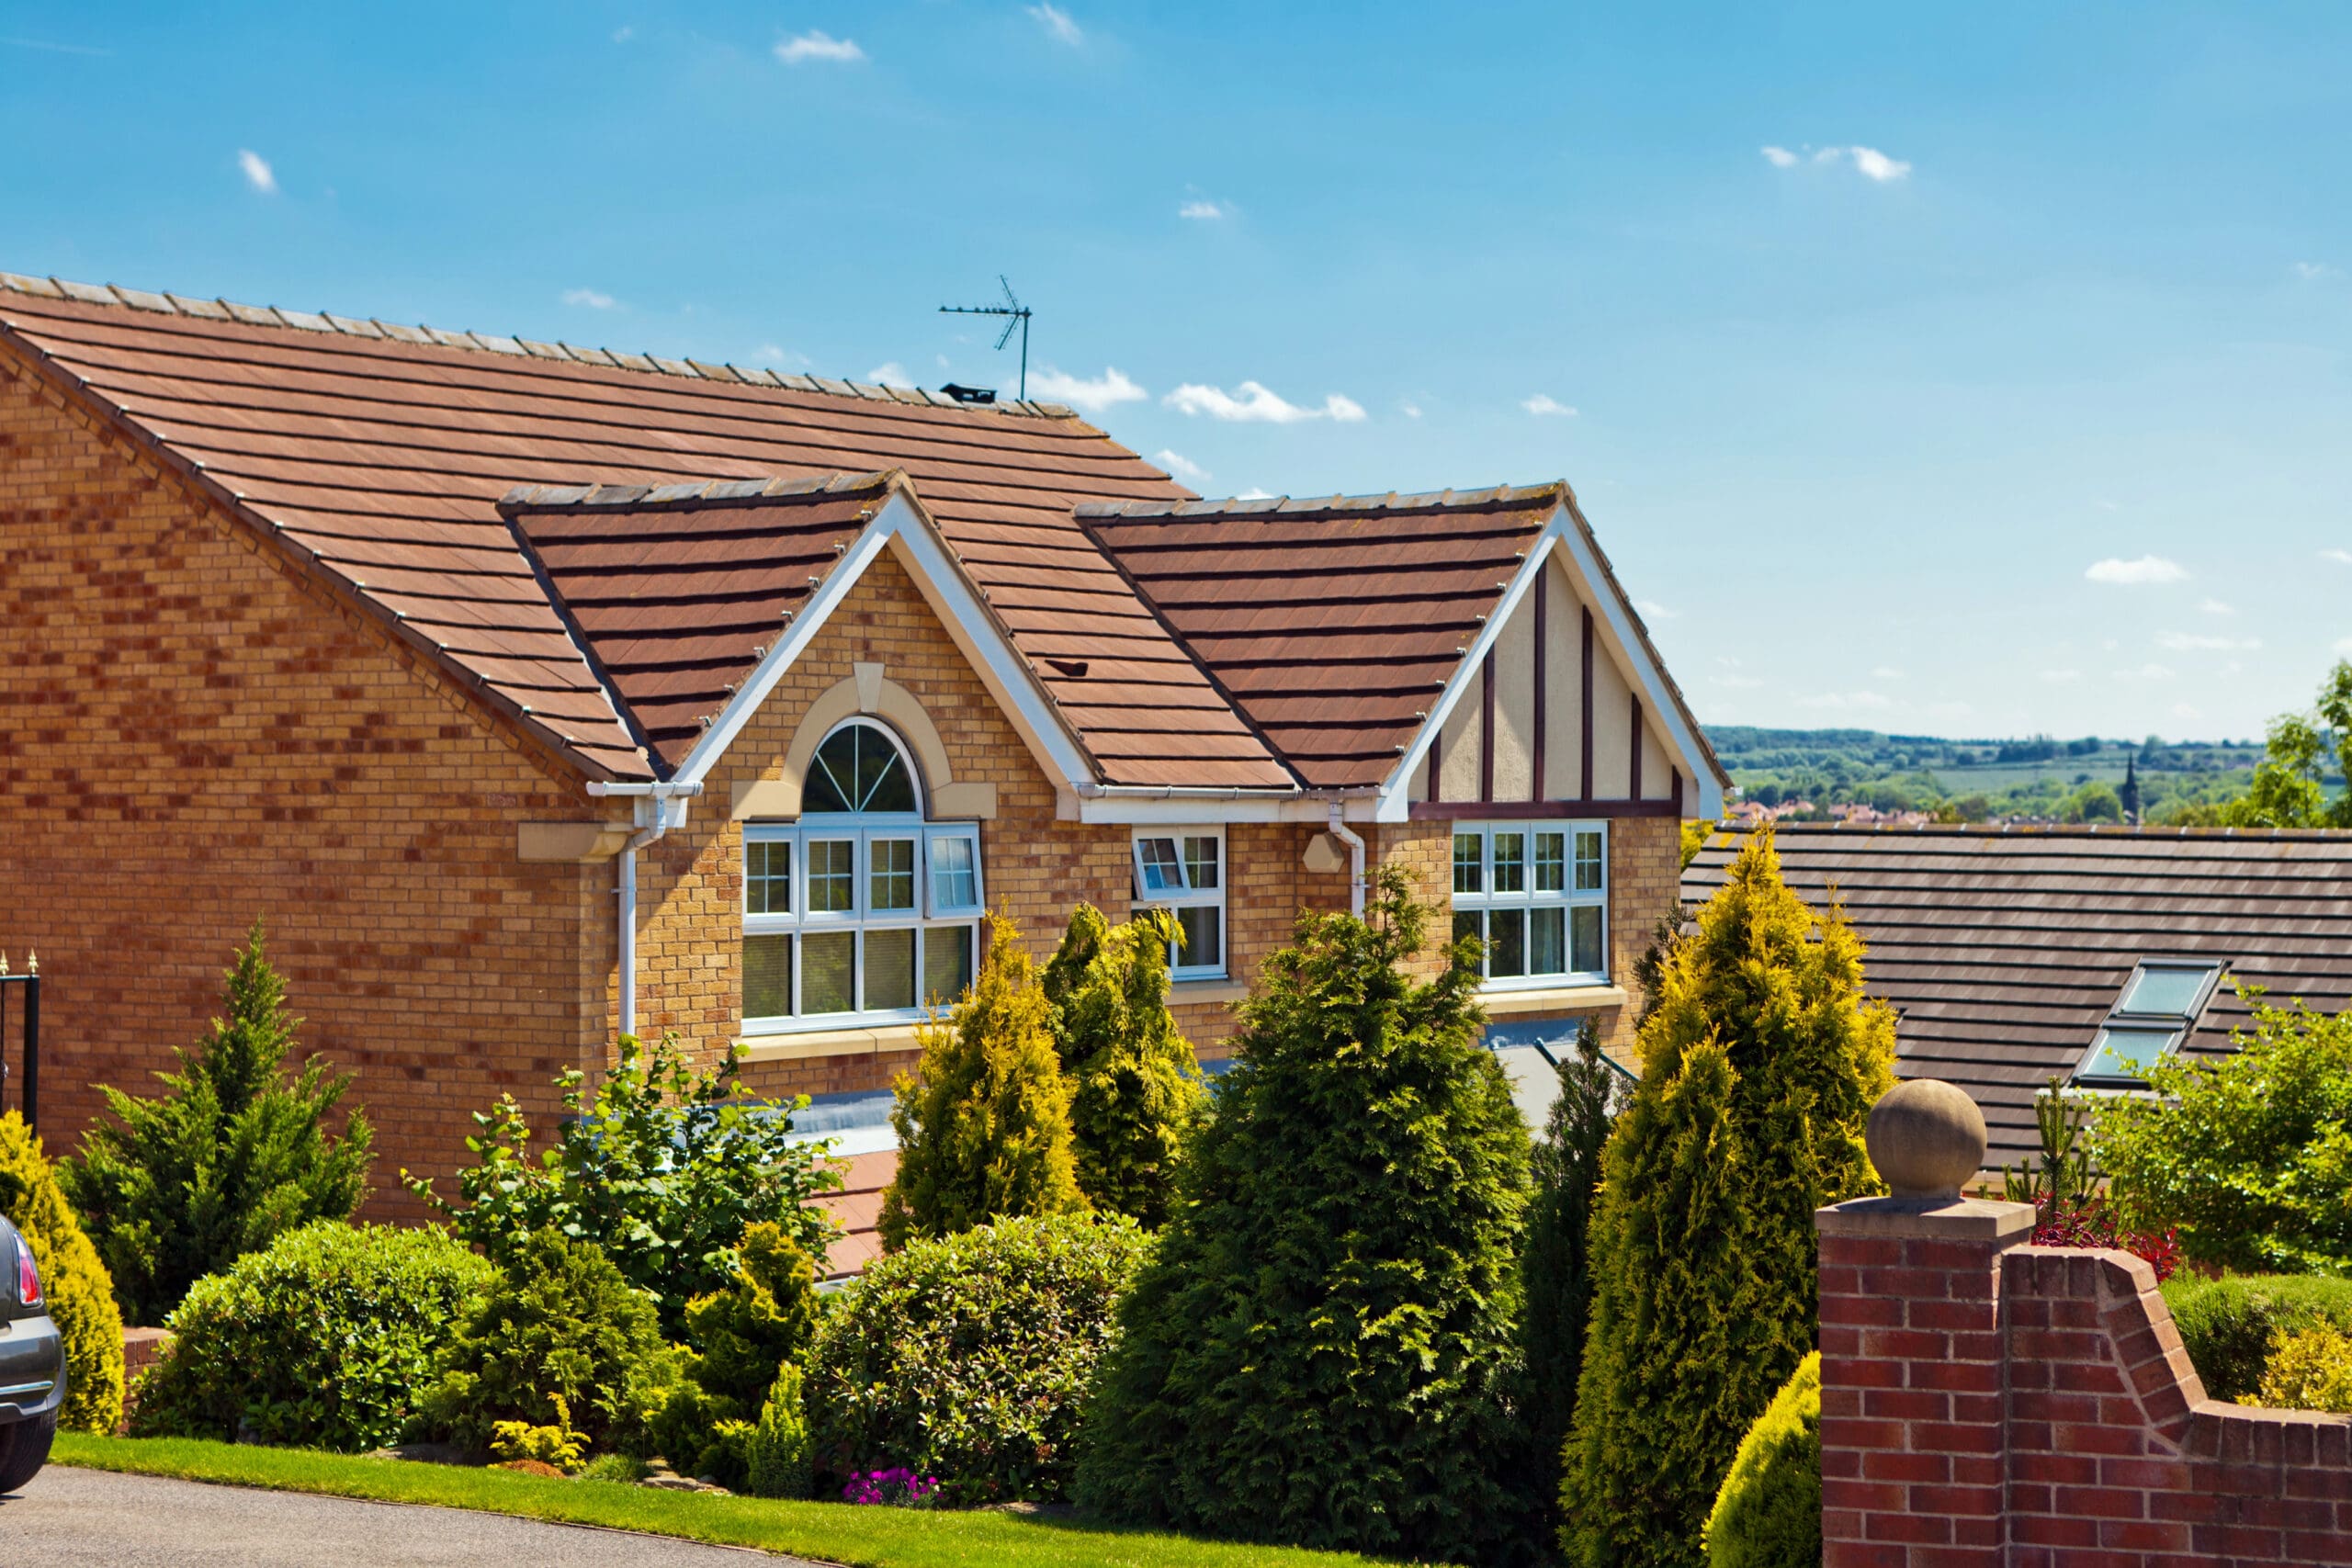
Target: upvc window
x=2159 y=1003
x=1182 y=870
x=1538 y=893
x=857 y=916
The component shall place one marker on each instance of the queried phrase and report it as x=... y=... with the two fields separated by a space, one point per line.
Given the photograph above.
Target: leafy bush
x=558 y=1445
x=1768 y=1513
x=321 y=1341
x=966 y=1358
x=742 y=1335
x=2249 y=1155
x=80 y=1295
x=1760 y=1061
x=2309 y=1370
x=562 y=1339
x=1135 y=1085
x=1321 y=1349
x=777 y=1455
x=663 y=1168
x=983 y=1122
x=233 y=1157
x=2229 y=1325
x=1555 y=1260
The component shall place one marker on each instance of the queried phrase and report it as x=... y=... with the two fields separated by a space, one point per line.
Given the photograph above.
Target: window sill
x=1183 y=992
x=1514 y=1003
x=809 y=1045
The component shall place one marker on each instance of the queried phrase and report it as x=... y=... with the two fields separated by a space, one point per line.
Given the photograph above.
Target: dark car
x=32 y=1365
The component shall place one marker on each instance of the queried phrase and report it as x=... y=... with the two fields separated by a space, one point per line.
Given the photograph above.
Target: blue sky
x=1966 y=369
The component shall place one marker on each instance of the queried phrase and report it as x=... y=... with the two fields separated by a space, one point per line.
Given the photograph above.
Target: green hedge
x=2229 y=1325
x=322 y=1340
x=1768 y=1513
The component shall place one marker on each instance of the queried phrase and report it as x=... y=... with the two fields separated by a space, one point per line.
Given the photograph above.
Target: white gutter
x=660 y=808
x=1349 y=837
x=1185 y=792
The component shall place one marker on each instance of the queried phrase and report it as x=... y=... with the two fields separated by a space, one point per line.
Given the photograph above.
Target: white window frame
x=925 y=918
x=1484 y=900
x=1187 y=896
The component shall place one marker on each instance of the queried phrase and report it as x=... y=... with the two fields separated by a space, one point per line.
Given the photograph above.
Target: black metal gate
x=25 y=1077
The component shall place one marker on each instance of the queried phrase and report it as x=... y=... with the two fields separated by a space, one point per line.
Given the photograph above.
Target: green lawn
x=836 y=1532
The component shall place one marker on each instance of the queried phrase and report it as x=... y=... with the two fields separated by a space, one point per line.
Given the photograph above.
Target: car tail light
x=28 y=1277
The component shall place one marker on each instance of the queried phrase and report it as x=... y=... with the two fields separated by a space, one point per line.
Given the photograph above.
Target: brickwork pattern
x=199 y=736
x=2032 y=1407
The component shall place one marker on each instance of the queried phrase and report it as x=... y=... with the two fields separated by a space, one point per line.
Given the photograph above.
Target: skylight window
x=2150 y=1017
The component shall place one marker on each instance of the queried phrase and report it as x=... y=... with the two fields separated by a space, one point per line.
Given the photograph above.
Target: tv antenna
x=1016 y=314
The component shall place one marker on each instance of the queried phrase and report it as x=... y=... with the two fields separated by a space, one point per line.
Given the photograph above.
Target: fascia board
x=1591 y=583
x=1175 y=811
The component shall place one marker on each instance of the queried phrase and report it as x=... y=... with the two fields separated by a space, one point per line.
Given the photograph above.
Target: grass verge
x=835 y=1532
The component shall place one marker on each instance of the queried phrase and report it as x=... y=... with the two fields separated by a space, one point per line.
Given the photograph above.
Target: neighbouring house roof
x=2005 y=950
x=379 y=455
x=1331 y=625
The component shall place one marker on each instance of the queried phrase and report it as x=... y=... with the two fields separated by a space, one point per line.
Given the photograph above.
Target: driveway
x=89 y=1518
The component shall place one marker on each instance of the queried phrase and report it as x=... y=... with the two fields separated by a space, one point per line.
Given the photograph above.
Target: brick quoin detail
x=1987 y=1403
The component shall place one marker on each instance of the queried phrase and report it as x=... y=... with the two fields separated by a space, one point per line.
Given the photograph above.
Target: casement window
x=2153 y=1014
x=861 y=911
x=1182 y=870
x=1538 y=893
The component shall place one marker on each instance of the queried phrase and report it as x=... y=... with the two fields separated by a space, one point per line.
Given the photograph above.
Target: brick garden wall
x=1988 y=1403
x=196 y=737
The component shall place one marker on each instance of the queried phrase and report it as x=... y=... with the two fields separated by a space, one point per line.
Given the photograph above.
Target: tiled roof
x=676 y=591
x=1332 y=624
x=379 y=452
x=2006 y=950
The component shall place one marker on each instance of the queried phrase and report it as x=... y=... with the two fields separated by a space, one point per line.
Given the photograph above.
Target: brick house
x=532 y=693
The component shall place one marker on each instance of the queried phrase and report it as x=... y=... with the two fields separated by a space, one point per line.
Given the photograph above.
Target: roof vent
x=969 y=394
x=1073 y=668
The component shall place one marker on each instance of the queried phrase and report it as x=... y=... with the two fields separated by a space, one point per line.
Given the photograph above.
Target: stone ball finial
x=1926 y=1137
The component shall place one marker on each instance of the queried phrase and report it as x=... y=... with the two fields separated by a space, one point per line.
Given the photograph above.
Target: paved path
x=89 y=1518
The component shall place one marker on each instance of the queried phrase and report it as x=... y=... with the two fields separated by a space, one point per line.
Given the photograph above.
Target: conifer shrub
x=2229 y=1325
x=562 y=1339
x=73 y=1281
x=1321 y=1350
x=778 y=1453
x=1554 y=1262
x=1760 y=1060
x=322 y=1340
x=741 y=1337
x=1135 y=1088
x=983 y=1121
x=968 y=1358
x=235 y=1155
x=1768 y=1513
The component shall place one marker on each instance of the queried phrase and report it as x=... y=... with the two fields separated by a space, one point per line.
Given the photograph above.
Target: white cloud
x=1057 y=25
x=2060 y=677
x=1545 y=403
x=1652 y=609
x=1780 y=157
x=891 y=373
x=2341 y=557
x=2151 y=671
x=258 y=173
x=1869 y=161
x=815 y=45
x=1886 y=672
x=622 y=35
x=595 y=299
x=1106 y=390
x=1253 y=402
x=1837 y=700
x=778 y=357
x=1254 y=493
x=2197 y=642
x=2143 y=570
x=1411 y=411
x=2217 y=608
x=1201 y=208
x=2344 y=646
x=2316 y=272
x=1183 y=468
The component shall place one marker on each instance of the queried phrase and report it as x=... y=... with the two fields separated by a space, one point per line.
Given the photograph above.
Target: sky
x=1969 y=370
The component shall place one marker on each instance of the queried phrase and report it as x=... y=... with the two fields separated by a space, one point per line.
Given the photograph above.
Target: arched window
x=863 y=910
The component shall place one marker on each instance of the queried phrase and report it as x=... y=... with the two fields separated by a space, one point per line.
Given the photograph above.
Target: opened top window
x=1182 y=870
x=861 y=911
x=1537 y=893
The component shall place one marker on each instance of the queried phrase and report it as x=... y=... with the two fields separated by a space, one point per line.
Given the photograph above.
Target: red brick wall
x=197 y=736
x=1984 y=1402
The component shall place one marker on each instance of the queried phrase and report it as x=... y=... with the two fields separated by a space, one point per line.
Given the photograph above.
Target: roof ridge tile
x=497 y=343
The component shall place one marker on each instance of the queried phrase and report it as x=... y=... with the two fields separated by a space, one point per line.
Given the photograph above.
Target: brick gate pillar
x=1912 y=1421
